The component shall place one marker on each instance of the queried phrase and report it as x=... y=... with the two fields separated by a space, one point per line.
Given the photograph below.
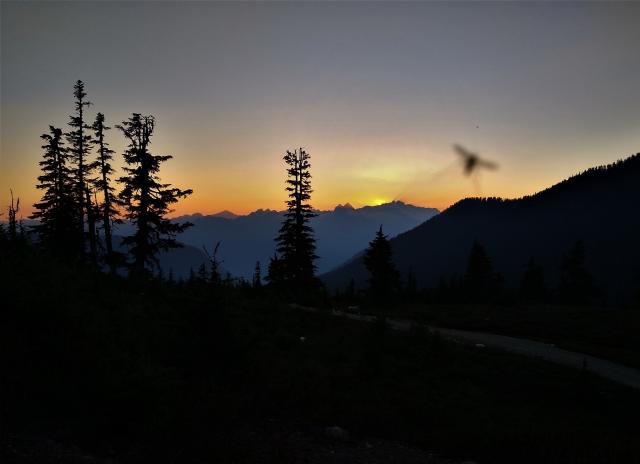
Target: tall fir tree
x=107 y=210
x=56 y=212
x=79 y=140
x=146 y=201
x=295 y=242
x=256 y=282
x=383 y=280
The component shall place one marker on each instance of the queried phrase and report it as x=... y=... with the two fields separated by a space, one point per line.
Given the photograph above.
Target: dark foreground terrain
x=609 y=333
x=100 y=369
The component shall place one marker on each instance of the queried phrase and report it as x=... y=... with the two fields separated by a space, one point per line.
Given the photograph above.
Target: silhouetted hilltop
x=598 y=206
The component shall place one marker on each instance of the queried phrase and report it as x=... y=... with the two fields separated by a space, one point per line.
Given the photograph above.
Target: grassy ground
x=145 y=372
x=457 y=401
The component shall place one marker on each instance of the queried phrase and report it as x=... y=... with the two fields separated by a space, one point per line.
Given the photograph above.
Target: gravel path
x=609 y=370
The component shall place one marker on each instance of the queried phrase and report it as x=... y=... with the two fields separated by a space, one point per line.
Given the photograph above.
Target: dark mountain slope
x=599 y=206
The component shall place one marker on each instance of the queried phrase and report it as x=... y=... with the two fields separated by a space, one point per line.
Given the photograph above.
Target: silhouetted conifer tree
x=411 y=287
x=79 y=140
x=257 y=276
x=13 y=209
x=533 y=287
x=108 y=209
x=275 y=272
x=203 y=276
x=147 y=201
x=56 y=212
x=480 y=282
x=576 y=283
x=295 y=242
x=92 y=213
x=383 y=280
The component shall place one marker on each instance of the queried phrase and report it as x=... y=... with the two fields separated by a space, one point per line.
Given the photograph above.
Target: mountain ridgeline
x=598 y=207
x=339 y=233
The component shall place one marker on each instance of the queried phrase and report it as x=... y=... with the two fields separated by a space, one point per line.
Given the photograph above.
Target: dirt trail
x=609 y=370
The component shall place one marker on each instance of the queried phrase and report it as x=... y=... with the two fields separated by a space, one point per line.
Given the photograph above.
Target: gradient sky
x=376 y=92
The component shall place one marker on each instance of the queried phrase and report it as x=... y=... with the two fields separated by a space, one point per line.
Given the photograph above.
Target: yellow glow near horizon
x=379 y=201
x=378 y=108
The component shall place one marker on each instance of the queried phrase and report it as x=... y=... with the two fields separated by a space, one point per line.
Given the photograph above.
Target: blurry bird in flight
x=472 y=161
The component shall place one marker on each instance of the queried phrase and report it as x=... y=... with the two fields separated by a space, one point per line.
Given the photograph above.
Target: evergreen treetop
x=56 y=212
x=146 y=200
x=107 y=210
x=295 y=242
x=378 y=259
x=79 y=140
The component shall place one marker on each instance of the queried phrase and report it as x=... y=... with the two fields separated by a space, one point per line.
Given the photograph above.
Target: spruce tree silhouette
x=107 y=211
x=257 y=276
x=533 y=287
x=56 y=212
x=383 y=280
x=79 y=140
x=411 y=287
x=275 y=271
x=295 y=241
x=147 y=201
x=14 y=208
x=383 y=283
x=203 y=275
x=479 y=282
x=576 y=283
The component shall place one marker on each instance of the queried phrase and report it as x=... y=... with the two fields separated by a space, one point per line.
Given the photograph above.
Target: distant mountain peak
x=347 y=205
x=263 y=212
x=226 y=214
x=395 y=203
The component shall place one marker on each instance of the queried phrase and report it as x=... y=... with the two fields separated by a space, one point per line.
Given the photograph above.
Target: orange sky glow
x=377 y=93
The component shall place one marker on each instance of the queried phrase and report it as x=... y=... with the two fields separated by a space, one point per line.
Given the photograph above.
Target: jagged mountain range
x=245 y=239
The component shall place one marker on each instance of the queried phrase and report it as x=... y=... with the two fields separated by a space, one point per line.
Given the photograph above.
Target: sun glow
x=379 y=201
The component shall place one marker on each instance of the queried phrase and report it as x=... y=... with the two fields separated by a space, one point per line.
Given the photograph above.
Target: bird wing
x=459 y=149
x=487 y=164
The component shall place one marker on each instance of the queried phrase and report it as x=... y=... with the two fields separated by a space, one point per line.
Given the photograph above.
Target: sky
x=377 y=93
